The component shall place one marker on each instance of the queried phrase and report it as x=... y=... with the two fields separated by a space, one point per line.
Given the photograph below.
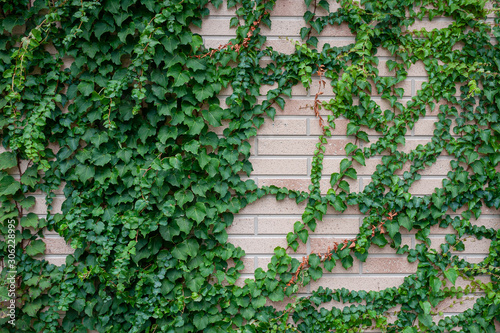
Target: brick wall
x=281 y=155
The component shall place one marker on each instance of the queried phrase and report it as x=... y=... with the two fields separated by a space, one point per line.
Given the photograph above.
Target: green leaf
x=436 y=285
x=194 y=284
x=315 y=273
x=351 y=173
x=277 y=295
x=8 y=185
x=30 y=176
x=344 y=164
x=202 y=92
x=360 y=158
x=352 y=129
x=259 y=302
x=347 y=261
x=201 y=320
x=405 y=221
x=213 y=115
x=35 y=247
x=197 y=212
x=247 y=313
x=451 y=274
x=182 y=197
x=32 y=308
x=7 y=160
x=86 y=88
x=189 y=247
x=179 y=75
x=27 y=202
x=85 y=172
x=29 y=221
x=196 y=64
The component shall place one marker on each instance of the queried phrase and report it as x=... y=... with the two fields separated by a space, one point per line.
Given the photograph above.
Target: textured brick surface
x=282 y=153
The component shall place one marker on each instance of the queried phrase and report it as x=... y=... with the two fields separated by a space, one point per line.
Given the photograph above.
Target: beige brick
x=264 y=245
x=242 y=225
x=290 y=183
x=493 y=223
x=338 y=225
x=334 y=31
x=417 y=69
x=40 y=206
x=324 y=87
x=281 y=45
x=303 y=184
x=329 y=225
x=389 y=266
x=296 y=8
x=412 y=144
x=55 y=260
x=279 y=166
x=299 y=146
x=215 y=26
x=472 y=245
x=457 y=305
x=383 y=70
x=284 y=126
x=425 y=186
x=247 y=261
x=357 y=283
x=297 y=107
x=276 y=225
x=269 y=205
x=321 y=244
x=340 y=126
x=57 y=246
x=430 y=25
x=333 y=42
x=288 y=8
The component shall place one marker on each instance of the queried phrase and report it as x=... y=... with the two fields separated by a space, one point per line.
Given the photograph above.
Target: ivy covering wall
x=150 y=188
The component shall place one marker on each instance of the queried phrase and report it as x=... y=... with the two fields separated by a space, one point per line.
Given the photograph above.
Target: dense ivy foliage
x=151 y=188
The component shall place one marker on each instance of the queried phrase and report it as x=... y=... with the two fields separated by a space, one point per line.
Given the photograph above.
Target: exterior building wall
x=282 y=154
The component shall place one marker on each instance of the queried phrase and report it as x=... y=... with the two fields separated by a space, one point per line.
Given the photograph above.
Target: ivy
x=124 y=114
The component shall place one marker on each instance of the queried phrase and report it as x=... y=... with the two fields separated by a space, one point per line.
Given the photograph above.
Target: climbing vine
x=122 y=113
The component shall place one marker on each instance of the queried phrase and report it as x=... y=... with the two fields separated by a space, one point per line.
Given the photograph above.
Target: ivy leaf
x=86 y=87
x=213 y=115
x=451 y=274
x=29 y=221
x=194 y=284
x=436 y=284
x=177 y=72
x=344 y=164
x=404 y=221
x=351 y=173
x=99 y=138
x=27 y=202
x=201 y=321
x=202 y=92
x=30 y=176
x=35 y=247
x=31 y=308
x=197 y=212
x=182 y=197
x=85 y=172
x=189 y=247
x=195 y=64
x=8 y=185
x=359 y=157
x=277 y=295
x=7 y=160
